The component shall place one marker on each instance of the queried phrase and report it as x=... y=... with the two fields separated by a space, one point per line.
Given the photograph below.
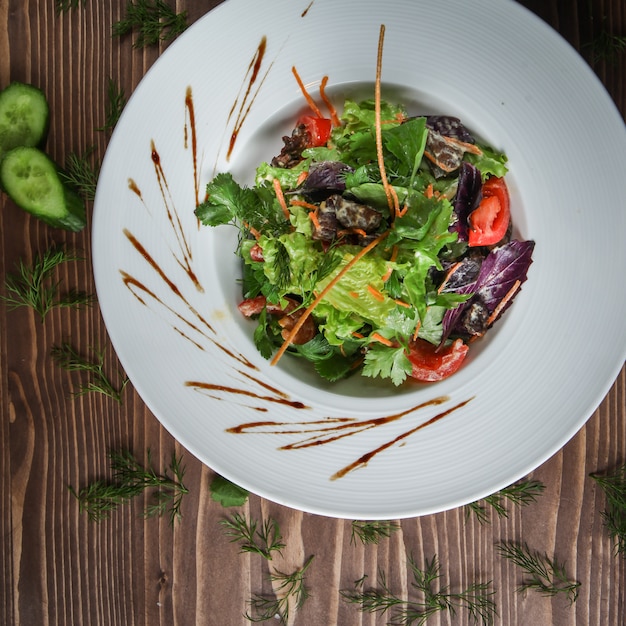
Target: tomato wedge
x=431 y=365
x=318 y=129
x=489 y=222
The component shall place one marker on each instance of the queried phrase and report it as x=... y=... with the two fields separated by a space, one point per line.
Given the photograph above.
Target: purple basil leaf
x=326 y=175
x=467 y=198
x=502 y=267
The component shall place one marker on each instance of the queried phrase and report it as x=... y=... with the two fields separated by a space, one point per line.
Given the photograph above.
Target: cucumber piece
x=31 y=179
x=24 y=117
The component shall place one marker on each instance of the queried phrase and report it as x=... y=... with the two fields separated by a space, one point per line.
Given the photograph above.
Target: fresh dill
x=477 y=599
x=544 y=574
x=63 y=6
x=614 y=515
x=520 y=494
x=606 y=47
x=33 y=285
x=130 y=479
x=116 y=101
x=371 y=532
x=81 y=173
x=261 y=539
x=291 y=592
x=69 y=359
x=154 y=21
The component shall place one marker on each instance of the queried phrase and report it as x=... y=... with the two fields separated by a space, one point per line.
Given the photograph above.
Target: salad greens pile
x=362 y=268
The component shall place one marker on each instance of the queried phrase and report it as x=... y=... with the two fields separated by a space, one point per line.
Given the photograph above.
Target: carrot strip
x=509 y=295
x=331 y=109
x=354 y=294
x=253 y=231
x=305 y=93
x=313 y=218
x=417 y=330
x=281 y=198
x=448 y=276
x=392 y=201
x=381 y=339
x=394 y=254
x=428 y=192
x=301 y=178
x=406 y=305
x=387 y=274
x=307 y=312
x=306 y=205
x=379 y=296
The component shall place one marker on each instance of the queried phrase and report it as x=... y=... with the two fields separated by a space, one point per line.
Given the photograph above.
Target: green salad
x=377 y=243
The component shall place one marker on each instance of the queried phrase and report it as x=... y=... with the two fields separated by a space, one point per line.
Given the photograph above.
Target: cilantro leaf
x=386 y=362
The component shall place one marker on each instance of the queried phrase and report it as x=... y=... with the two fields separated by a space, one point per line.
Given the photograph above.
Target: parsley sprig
x=33 y=285
x=154 y=21
x=432 y=598
x=544 y=574
x=130 y=479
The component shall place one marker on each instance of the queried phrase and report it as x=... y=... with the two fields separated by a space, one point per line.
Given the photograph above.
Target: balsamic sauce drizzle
x=327 y=430
x=310 y=433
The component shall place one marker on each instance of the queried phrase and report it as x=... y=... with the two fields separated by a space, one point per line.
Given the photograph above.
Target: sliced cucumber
x=31 y=179
x=24 y=117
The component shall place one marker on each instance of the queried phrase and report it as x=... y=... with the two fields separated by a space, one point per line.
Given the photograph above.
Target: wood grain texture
x=59 y=569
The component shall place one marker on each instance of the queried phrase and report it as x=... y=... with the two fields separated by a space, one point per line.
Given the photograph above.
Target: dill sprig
x=545 y=575
x=63 y=6
x=130 y=479
x=33 y=286
x=371 y=532
x=116 y=101
x=154 y=21
x=520 y=494
x=614 y=515
x=71 y=360
x=81 y=173
x=291 y=592
x=432 y=598
x=261 y=539
x=606 y=46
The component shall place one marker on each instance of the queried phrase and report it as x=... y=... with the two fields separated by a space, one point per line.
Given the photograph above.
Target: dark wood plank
x=58 y=568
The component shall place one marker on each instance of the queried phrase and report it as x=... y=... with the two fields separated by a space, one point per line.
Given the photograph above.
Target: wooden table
x=58 y=568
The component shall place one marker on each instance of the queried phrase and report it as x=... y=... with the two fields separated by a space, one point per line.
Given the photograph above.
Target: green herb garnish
x=614 y=515
x=520 y=494
x=69 y=359
x=34 y=287
x=544 y=574
x=290 y=592
x=154 y=21
x=130 y=479
x=260 y=539
x=115 y=106
x=432 y=599
x=63 y=6
x=227 y=493
x=81 y=173
x=371 y=532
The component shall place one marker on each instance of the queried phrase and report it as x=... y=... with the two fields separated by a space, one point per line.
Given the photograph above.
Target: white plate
x=219 y=99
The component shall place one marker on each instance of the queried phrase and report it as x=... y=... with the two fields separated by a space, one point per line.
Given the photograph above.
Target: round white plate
x=219 y=99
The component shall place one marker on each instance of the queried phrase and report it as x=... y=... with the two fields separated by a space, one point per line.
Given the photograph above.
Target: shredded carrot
x=387 y=275
x=354 y=294
x=313 y=218
x=392 y=198
x=306 y=205
x=379 y=296
x=253 y=231
x=394 y=254
x=381 y=339
x=281 y=198
x=406 y=305
x=402 y=213
x=358 y=335
x=448 y=275
x=507 y=298
x=301 y=178
x=307 y=312
x=428 y=193
x=306 y=94
x=417 y=330
x=331 y=109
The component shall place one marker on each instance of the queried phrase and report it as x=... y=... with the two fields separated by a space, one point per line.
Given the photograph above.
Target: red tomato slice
x=318 y=129
x=489 y=222
x=430 y=365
